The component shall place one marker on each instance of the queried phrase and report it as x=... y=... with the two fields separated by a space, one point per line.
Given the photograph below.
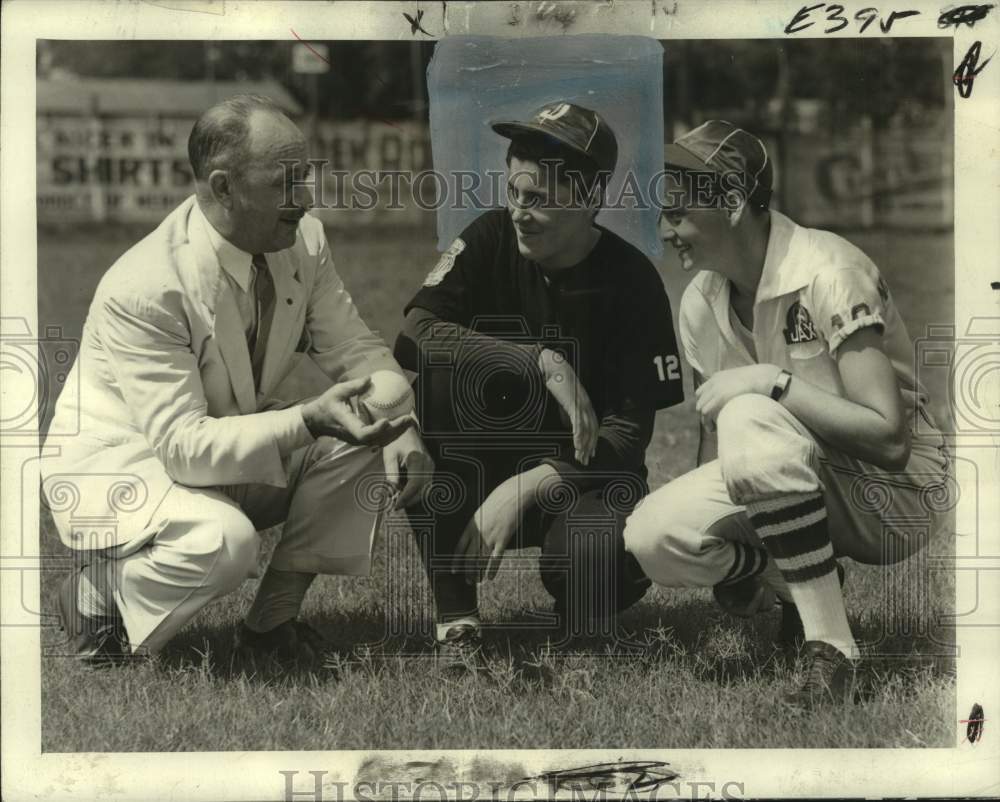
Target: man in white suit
x=190 y=440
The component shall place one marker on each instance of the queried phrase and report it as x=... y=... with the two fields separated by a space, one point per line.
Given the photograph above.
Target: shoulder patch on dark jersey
x=883 y=290
x=800 y=328
x=445 y=263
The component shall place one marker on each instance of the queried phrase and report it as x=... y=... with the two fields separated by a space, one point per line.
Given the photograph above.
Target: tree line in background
x=365 y=79
x=849 y=78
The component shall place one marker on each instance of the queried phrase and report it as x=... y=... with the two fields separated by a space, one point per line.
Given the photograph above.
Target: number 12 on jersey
x=668 y=367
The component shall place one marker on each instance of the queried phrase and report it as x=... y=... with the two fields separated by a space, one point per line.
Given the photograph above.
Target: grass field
x=682 y=675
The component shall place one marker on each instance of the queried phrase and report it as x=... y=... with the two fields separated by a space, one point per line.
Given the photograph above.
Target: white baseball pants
x=680 y=533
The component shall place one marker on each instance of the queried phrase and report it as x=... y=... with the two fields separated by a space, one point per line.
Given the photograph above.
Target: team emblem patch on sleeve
x=445 y=263
x=800 y=328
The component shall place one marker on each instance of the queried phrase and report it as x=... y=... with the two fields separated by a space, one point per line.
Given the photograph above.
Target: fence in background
x=862 y=177
x=96 y=167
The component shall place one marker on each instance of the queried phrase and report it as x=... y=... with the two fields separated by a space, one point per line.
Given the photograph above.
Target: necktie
x=263 y=290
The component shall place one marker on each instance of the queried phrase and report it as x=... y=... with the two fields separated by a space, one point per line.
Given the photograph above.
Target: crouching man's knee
x=587 y=569
x=673 y=537
x=236 y=558
x=764 y=450
x=646 y=530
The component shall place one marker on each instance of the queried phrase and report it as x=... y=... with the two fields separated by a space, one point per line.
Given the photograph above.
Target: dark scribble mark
x=415 y=23
x=963 y=15
x=974 y=723
x=625 y=777
x=966 y=72
x=886 y=24
x=995 y=285
x=423 y=765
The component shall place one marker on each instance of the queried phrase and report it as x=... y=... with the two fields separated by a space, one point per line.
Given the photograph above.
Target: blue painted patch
x=473 y=80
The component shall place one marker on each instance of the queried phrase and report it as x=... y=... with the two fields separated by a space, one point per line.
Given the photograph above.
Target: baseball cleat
x=290 y=643
x=461 y=651
x=746 y=598
x=831 y=678
x=791 y=634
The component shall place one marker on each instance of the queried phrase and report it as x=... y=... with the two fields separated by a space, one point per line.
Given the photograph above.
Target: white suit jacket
x=165 y=387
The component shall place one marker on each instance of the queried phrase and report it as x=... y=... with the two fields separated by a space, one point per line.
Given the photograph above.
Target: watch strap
x=780 y=385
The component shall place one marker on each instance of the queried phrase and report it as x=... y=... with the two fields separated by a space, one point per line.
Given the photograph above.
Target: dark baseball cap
x=580 y=129
x=726 y=149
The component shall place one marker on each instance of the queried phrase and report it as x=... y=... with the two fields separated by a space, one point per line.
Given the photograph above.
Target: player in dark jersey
x=544 y=345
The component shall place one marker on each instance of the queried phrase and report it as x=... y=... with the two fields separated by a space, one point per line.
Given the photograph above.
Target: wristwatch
x=781 y=385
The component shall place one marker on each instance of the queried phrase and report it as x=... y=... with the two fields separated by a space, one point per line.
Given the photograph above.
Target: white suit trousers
x=204 y=541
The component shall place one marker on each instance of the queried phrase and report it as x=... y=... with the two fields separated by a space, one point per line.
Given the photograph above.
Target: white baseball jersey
x=815 y=290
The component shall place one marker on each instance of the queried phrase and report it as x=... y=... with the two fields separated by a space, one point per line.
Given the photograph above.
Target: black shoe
x=94 y=640
x=461 y=651
x=746 y=598
x=291 y=642
x=831 y=678
x=791 y=634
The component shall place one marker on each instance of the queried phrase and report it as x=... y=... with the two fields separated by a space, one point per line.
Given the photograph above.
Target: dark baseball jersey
x=609 y=315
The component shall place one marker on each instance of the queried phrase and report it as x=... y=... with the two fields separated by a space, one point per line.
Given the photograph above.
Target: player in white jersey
x=804 y=374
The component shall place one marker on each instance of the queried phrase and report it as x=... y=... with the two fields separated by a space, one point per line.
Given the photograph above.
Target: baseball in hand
x=389 y=396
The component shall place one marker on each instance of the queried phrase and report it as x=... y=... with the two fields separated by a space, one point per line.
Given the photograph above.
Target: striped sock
x=772 y=578
x=794 y=531
x=748 y=561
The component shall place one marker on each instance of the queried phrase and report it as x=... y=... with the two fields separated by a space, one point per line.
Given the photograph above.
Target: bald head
x=223 y=136
x=250 y=164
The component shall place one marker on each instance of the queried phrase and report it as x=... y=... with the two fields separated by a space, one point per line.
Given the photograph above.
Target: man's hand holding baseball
x=331 y=415
x=562 y=381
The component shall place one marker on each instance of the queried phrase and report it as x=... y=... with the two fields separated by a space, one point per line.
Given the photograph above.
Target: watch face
x=780 y=384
